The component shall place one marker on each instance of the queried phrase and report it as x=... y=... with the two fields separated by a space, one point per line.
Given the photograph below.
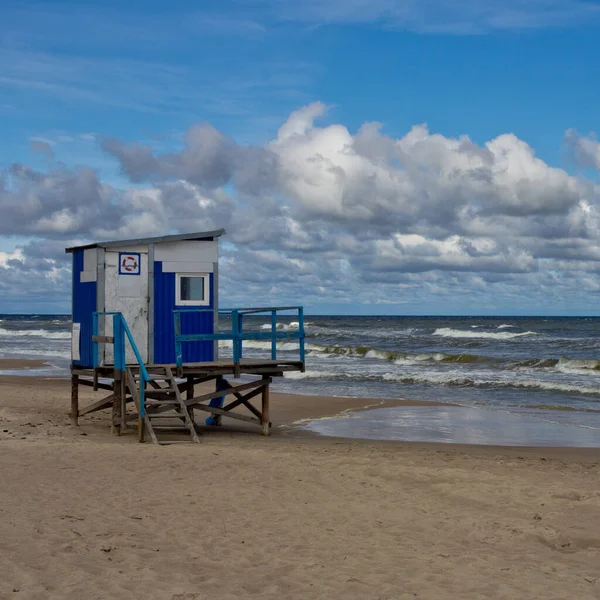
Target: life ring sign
x=129 y=263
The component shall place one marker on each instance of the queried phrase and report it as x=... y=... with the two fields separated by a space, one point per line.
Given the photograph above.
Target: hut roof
x=198 y=235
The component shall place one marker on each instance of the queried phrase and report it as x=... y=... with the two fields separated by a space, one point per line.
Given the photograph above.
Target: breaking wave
x=42 y=353
x=312 y=375
x=453 y=379
x=52 y=335
x=448 y=332
x=293 y=326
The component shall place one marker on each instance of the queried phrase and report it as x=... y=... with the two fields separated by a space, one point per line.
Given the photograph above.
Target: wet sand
x=84 y=514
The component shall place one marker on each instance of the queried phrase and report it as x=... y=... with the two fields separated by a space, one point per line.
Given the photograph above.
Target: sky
x=364 y=156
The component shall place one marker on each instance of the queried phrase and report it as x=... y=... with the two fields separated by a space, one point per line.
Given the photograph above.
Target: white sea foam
x=506 y=327
x=455 y=379
x=44 y=333
x=448 y=332
x=293 y=326
x=582 y=366
x=44 y=353
x=260 y=345
x=311 y=374
x=421 y=358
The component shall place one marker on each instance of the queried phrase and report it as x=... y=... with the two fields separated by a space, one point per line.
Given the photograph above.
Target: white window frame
x=180 y=302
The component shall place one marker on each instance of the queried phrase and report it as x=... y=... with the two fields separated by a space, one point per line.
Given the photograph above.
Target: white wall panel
x=189 y=251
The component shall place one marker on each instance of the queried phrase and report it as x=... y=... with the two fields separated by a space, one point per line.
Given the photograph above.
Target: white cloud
x=321 y=214
x=441 y=16
x=585 y=150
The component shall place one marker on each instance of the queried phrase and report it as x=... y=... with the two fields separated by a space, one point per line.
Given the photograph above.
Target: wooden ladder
x=162 y=403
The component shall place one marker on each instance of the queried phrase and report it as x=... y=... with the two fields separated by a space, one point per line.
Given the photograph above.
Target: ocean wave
x=312 y=375
x=52 y=335
x=43 y=353
x=448 y=332
x=293 y=326
x=578 y=365
x=266 y=345
x=456 y=380
x=506 y=327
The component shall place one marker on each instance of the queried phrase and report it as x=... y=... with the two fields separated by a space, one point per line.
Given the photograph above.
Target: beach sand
x=87 y=515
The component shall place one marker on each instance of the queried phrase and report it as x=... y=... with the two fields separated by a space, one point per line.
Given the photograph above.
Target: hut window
x=192 y=289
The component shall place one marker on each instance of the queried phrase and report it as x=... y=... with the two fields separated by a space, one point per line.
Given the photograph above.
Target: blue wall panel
x=164 y=327
x=84 y=304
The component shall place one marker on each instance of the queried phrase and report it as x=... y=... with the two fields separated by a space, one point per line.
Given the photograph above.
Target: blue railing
x=120 y=331
x=238 y=335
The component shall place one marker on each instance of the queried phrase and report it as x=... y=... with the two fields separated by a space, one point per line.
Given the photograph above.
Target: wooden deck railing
x=238 y=335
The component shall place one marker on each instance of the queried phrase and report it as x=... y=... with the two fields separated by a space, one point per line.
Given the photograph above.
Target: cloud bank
x=324 y=216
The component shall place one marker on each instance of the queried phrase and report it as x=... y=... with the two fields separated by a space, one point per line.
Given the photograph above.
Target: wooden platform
x=166 y=387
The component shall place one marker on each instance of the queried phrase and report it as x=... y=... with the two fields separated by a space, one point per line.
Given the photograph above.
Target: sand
x=86 y=515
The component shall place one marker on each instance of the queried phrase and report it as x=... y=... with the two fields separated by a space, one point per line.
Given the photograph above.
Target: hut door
x=126 y=291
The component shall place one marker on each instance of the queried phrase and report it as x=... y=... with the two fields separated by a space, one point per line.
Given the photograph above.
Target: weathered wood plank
x=265 y=410
x=232 y=415
x=142 y=425
x=101 y=404
x=224 y=392
x=99 y=385
x=74 y=399
x=189 y=423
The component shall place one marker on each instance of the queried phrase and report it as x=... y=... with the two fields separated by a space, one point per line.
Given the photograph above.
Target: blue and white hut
x=146 y=280
x=145 y=315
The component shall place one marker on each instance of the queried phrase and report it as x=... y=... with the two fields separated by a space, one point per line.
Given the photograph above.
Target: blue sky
x=144 y=74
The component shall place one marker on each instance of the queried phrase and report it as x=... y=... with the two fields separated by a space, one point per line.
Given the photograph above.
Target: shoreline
x=289 y=413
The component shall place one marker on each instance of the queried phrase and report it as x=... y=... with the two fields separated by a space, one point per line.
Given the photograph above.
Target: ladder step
x=150 y=402
x=163 y=416
x=149 y=393
x=171 y=427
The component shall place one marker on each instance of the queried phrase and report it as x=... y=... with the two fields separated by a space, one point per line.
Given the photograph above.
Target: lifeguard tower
x=146 y=328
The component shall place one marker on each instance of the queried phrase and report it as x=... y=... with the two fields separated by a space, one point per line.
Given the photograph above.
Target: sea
x=539 y=374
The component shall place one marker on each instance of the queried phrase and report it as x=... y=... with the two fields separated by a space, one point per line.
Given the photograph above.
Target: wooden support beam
x=84 y=372
x=265 y=407
x=232 y=415
x=74 y=399
x=99 y=385
x=226 y=391
x=189 y=394
x=194 y=402
x=105 y=402
x=123 y=410
x=245 y=401
x=133 y=390
x=116 y=408
x=103 y=339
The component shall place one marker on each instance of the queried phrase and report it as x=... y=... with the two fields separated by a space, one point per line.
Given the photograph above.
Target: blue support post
x=241 y=333
x=222 y=384
x=178 y=348
x=274 y=332
x=235 y=333
x=301 y=331
x=119 y=342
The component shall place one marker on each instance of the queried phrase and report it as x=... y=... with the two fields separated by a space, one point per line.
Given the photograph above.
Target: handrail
x=238 y=335
x=120 y=331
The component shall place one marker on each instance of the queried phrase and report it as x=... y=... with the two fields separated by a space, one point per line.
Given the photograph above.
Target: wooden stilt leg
x=116 y=410
x=265 y=409
x=74 y=414
x=123 y=411
x=189 y=394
